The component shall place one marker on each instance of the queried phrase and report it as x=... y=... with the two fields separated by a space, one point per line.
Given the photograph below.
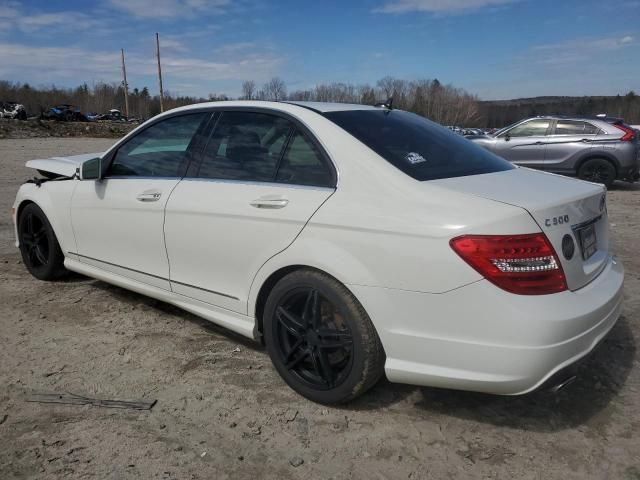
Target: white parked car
x=353 y=241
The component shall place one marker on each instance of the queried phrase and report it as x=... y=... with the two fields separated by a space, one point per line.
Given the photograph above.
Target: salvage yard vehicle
x=597 y=149
x=354 y=241
x=13 y=110
x=64 y=112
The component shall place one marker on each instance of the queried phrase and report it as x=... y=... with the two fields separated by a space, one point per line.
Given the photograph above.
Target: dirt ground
x=223 y=412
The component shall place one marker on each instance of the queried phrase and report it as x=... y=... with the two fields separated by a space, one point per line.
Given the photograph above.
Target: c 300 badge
x=553 y=221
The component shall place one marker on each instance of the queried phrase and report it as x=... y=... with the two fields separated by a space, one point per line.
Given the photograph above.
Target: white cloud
x=13 y=17
x=580 y=66
x=168 y=9
x=74 y=65
x=439 y=6
x=577 y=50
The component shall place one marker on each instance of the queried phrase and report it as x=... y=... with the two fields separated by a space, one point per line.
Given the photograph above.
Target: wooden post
x=126 y=87
x=159 y=73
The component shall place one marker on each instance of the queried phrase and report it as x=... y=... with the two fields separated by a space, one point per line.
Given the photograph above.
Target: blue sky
x=494 y=48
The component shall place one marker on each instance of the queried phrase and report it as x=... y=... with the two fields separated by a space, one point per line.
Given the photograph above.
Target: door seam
x=164 y=235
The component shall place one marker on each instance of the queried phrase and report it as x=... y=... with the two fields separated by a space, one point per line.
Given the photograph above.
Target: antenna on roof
x=388 y=104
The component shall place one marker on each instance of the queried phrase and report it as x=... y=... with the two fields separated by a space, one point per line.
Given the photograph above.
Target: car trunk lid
x=561 y=206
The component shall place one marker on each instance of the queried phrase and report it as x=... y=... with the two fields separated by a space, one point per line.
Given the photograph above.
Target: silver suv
x=596 y=149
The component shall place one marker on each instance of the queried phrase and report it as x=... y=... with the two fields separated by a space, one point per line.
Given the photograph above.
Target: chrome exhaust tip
x=559 y=386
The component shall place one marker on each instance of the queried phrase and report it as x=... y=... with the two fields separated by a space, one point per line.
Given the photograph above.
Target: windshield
x=420 y=148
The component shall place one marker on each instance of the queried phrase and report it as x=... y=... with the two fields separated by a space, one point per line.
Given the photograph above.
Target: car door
x=118 y=220
x=260 y=179
x=567 y=144
x=525 y=143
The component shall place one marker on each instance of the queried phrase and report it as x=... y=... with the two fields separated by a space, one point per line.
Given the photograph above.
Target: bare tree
x=248 y=89
x=275 y=89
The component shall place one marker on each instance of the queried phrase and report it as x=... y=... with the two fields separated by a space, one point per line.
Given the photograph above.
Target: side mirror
x=91 y=169
x=507 y=137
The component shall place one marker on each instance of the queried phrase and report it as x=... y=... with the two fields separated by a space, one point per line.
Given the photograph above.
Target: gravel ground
x=223 y=412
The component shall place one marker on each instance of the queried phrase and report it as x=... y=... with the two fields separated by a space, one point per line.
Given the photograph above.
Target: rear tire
x=39 y=246
x=598 y=170
x=320 y=339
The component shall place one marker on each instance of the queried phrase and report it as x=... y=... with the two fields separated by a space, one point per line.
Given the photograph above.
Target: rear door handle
x=273 y=203
x=149 y=196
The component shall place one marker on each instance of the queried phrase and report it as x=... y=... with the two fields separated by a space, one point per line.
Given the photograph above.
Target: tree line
x=442 y=103
x=504 y=112
x=445 y=104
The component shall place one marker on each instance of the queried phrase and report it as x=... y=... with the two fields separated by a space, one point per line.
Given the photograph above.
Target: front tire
x=39 y=246
x=320 y=339
x=598 y=170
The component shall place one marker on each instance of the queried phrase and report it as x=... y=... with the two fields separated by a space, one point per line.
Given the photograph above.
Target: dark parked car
x=64 y=112
x=598 y=149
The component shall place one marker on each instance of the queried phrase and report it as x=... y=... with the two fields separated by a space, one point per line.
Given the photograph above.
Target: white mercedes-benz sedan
x=353 y=241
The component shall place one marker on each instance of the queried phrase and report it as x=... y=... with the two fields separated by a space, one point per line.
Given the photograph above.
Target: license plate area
x=588 y=241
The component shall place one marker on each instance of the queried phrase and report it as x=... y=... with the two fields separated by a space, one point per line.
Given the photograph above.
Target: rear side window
x=245 y=146
x=532 y=128
x=420 y=148
x=575 y=127
x=160 y=150
x=302 y=164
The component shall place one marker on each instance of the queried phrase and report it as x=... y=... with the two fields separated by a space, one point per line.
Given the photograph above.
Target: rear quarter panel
x=383 y=228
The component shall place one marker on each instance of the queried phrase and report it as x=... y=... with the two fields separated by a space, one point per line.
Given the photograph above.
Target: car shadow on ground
x=587 y=401
x=208 y=327
x=625 y=187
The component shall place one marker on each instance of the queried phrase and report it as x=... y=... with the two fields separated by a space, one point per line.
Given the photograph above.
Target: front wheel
x=320 y=339
x=598 y=170
x=39 y=246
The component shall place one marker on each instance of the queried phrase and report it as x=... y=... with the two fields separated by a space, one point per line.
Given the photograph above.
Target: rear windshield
x=420 y=148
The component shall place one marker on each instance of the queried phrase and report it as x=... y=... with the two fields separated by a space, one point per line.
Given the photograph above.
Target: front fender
x=54 y=198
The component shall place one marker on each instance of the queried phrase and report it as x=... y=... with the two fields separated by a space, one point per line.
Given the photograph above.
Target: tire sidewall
x=595 y=162
x=42 y=272
x=350 y=384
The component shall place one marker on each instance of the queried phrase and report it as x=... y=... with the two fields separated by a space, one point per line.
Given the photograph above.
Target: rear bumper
x=481 y=338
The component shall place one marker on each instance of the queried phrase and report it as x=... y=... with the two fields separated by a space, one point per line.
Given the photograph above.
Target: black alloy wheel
x=320 y=339
x=313 y=339
x=39 y=247
x=598 y=170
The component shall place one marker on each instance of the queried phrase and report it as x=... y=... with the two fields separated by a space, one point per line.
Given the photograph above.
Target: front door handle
x=149 y=196
x=272 y=203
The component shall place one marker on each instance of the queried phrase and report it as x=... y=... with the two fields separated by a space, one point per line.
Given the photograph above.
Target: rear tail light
x=522 y=264
x=629 y=133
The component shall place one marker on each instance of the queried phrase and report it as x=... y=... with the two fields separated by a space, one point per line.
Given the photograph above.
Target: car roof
x=324 y=107
x=318 y=107
x=582 y=118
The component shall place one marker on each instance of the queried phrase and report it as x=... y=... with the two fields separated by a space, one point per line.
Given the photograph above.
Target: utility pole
x=126 y=87
x=159 y=73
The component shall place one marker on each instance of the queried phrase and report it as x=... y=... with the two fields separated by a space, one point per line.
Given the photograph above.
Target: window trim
x=555 y=126
x=297 y=126
x=550 y=128
x=192 y=148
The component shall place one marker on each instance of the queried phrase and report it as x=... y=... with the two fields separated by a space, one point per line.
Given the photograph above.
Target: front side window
x=420 y=148
x=532 y=128
x=574 y=127
x=245 y=146
x=160 y=150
